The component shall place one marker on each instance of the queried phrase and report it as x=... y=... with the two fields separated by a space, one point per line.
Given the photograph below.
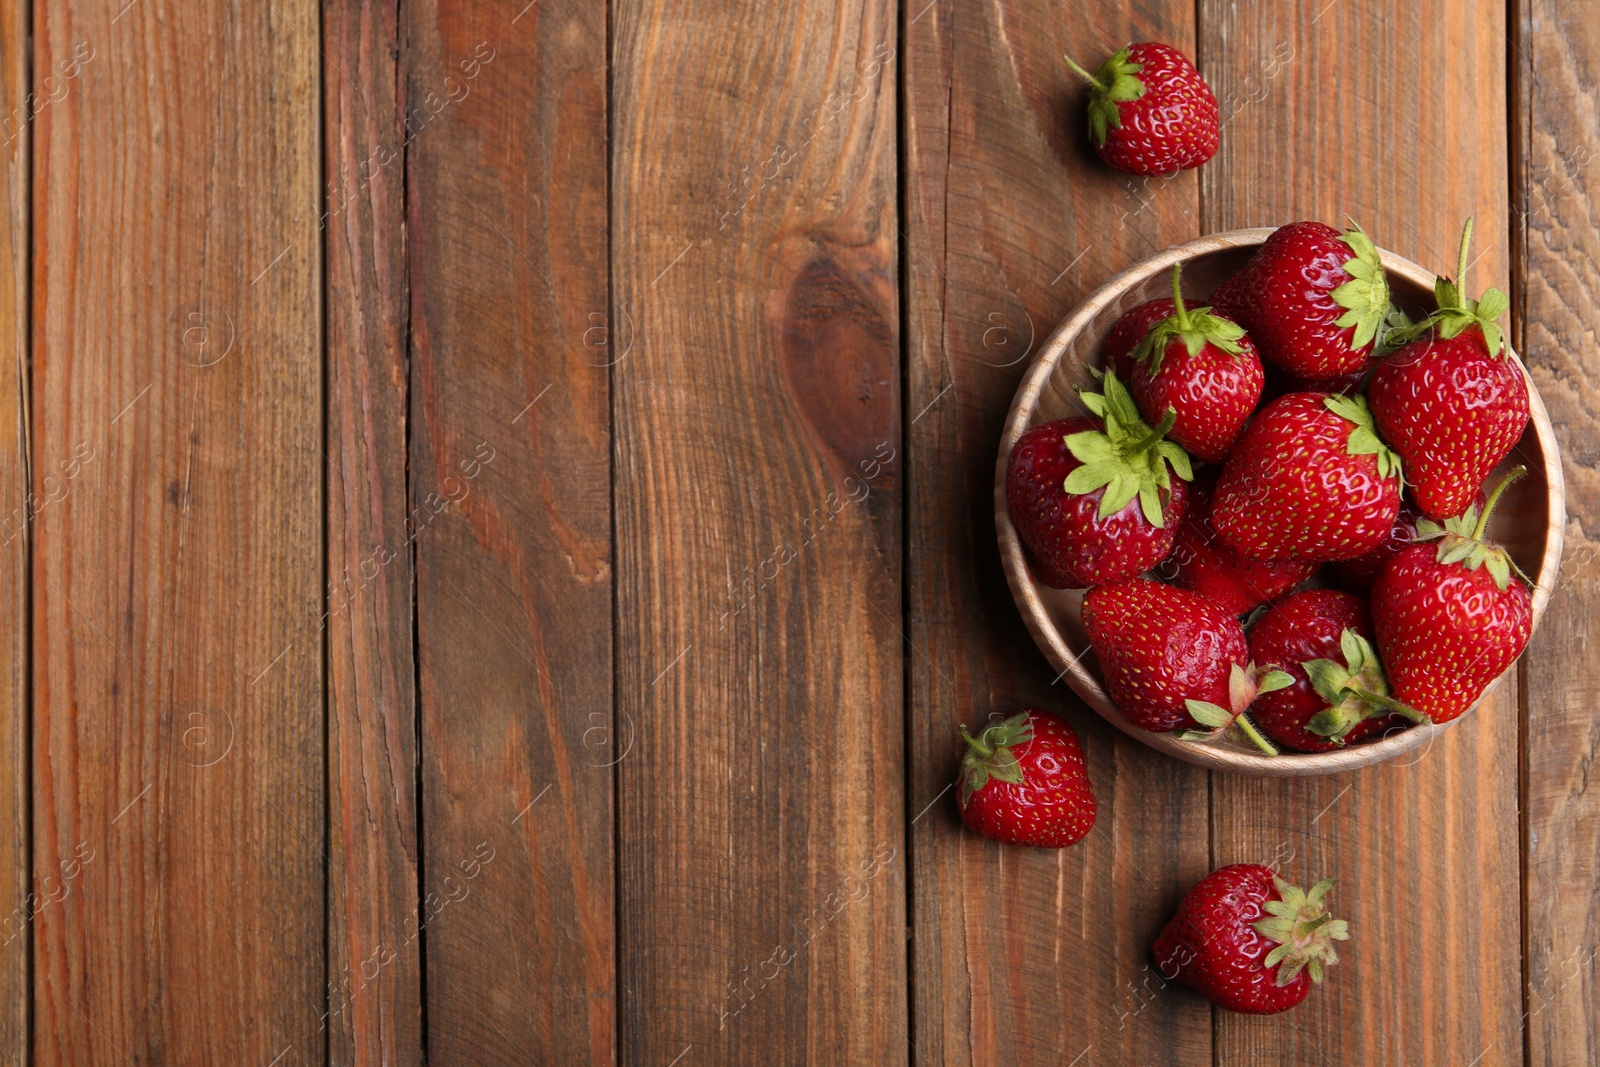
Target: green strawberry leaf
x=1492 y=304
x=1198 y=329
x=1289 y=971
x=1492 y=338
x=1354 y=690
x=1427 y=530
x=1461 y=540
x=1302 y=929
x=1461 y=525
x=1365 y=297
x=1174 y=454
x=1364 y=439
x=1456 y=312
x=1194 y=327
x=1122 y=412
x=1004 y=766
x=1388 y=334
x=1242 y=689
x=1091 y=476
x=1445 y=293
x=974 y=780
x=1012 y=731
x=1127 y=458
x=1327 y=678
x=1281 y=926
x=1114 y=83
x=1355 y=650
x=989 y=754
x=1089 y=446
x=1208 y=714
x=1272 y=681
x=1451 y=322
x=1150 y=503
x=1124 y=86
x=1123 y=488
x=1332 y=723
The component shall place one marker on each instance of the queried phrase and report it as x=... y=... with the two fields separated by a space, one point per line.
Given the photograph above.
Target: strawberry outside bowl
x=1528 y=521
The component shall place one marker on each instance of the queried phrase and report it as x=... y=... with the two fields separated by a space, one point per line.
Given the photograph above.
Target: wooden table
x=498 y=533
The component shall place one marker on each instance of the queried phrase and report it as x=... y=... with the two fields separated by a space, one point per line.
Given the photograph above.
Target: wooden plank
x=510 y=476
x=16 y=875
x=1023 y=956
x=374 y=946
x=1554 y=63
x=757 y=494
x=1425 y=849
x=177 y=664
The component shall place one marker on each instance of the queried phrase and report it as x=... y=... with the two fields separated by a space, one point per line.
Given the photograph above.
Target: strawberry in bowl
x=1097 y=498
x=1203 y=369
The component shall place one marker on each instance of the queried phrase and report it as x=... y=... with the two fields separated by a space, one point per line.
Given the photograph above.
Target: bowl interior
x=1527 y=521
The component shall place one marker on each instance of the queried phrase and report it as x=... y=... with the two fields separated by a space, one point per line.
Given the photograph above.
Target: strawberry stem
x=1389 y=703
x=1156 y=434
x=1250 y=731
x=1461 y=259
x=1090 y=78
x=983 y=750
x=1180 y=312
x=1494 y=498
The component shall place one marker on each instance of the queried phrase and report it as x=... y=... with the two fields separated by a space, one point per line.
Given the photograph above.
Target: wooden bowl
x=1528 y=520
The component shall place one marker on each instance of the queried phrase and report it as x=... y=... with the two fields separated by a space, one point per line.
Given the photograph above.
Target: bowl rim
x=1054 y=644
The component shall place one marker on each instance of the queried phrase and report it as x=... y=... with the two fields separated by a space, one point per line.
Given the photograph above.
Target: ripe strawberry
x=1202 y=564
x=1309 y=480
x=1449 y=616
x=1250 y=942
x=1321 y=638
x=1203 y=368
x=1150 y=112
x=1094 y=499
x=1171 y=658
x=1312 y=299
x=1023 y=781
x=1126 y=333
x=1357 y=575
x=1449 y=401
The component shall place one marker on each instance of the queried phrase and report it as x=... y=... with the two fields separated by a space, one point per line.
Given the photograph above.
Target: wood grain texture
x=1424 y=849
x=1023 y=956
x=374 y=950
x=177 y=666
x=16 y=875
x=1556 y=172
x=510 y=498
x=758 y=517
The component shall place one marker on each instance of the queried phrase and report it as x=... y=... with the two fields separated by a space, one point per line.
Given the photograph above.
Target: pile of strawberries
x=1361 y=473
x=1276 y=504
